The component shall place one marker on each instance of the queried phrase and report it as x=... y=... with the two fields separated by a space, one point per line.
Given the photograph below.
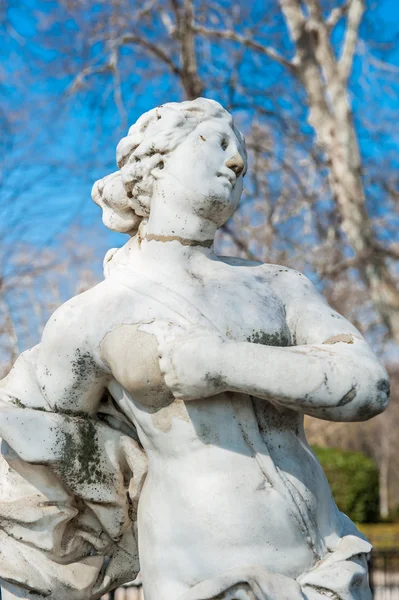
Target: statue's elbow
x=376 y=399
x=368 y=395
x=382 y=395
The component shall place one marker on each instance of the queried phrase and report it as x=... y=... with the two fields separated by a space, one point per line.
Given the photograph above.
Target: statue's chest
x=239 y=308
x=242 y=309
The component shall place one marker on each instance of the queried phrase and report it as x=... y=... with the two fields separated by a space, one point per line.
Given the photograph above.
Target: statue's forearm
x=333 y=382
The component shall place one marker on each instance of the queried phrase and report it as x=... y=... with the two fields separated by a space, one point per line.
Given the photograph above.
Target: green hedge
x=353 y=478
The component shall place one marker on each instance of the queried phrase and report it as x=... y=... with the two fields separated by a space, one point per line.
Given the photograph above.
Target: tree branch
x=245 y=41
x=110 y=65
x=355 y=14
x=192 y=83
x=391 y=252
x=130 y=38
x=308 y=69
x=78 y=81
x=323 y=51
x=336 y=15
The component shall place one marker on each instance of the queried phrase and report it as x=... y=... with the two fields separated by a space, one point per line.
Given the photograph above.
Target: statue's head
x=191 y=146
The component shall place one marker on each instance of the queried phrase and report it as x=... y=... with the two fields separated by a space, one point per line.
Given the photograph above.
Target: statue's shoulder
x=292 y=287
x=279 y=276
x=83 y=318
x=83 y=305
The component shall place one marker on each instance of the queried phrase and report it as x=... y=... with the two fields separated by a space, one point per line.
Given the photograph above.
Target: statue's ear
x=111 y=196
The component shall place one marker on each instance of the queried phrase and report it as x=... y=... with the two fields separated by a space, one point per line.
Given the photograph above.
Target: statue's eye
x=224 y=143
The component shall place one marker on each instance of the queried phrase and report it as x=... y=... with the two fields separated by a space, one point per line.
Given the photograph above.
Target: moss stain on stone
x=215 y=379
x=17 y=402
x=83 y=366
x=268 y=339
x=81 y=455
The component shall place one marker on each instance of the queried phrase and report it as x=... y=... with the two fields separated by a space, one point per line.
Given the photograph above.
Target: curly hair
x=125 y=196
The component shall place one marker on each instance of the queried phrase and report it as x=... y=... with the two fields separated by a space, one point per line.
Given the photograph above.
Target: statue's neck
x=148 y=252
x=172 y=218
x=171 y=238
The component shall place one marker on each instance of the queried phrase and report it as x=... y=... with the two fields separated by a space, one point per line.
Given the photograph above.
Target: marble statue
x=156 y=432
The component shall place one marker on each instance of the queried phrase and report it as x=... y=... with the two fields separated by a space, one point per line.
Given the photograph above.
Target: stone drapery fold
x=341 y=575
x=67 y=521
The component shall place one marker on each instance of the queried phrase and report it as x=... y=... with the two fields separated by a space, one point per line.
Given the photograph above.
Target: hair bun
x=111 y=196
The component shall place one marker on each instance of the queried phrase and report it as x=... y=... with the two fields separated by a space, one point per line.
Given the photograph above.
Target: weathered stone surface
x=157 y=429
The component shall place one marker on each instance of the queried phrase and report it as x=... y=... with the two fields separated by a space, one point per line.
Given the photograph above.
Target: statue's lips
x=230 y=178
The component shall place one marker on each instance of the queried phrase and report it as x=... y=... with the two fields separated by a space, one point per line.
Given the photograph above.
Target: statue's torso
x=231 y=479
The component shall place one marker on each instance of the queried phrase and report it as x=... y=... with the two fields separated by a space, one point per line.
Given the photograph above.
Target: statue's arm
x=59 y=375
x=62 y=373
x=330 y=372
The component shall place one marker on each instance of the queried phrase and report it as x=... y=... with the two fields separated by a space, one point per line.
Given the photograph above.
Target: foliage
x=353 y=478
x=383 y=536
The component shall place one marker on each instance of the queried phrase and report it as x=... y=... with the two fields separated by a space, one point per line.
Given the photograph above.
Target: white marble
x=157 y=429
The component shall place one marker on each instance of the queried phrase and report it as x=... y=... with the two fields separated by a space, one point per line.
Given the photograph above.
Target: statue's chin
x=217 y=208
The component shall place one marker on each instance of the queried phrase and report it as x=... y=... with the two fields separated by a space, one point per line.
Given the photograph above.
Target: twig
x=130 y=38
x=245 y=41
x=336 y=15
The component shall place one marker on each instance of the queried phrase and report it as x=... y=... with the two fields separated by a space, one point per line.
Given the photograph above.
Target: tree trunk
x=191 y=82
x=384 y=486
x=324 y=78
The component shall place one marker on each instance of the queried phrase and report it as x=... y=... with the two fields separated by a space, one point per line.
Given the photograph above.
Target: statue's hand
x=189 y=360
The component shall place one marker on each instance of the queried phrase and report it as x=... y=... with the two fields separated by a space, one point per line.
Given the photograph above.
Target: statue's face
x=209 y=166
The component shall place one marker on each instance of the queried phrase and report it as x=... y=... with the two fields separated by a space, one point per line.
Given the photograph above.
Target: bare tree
x=325 y=78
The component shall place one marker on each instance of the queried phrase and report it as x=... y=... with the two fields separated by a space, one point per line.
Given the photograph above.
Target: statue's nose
x=236 y=164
